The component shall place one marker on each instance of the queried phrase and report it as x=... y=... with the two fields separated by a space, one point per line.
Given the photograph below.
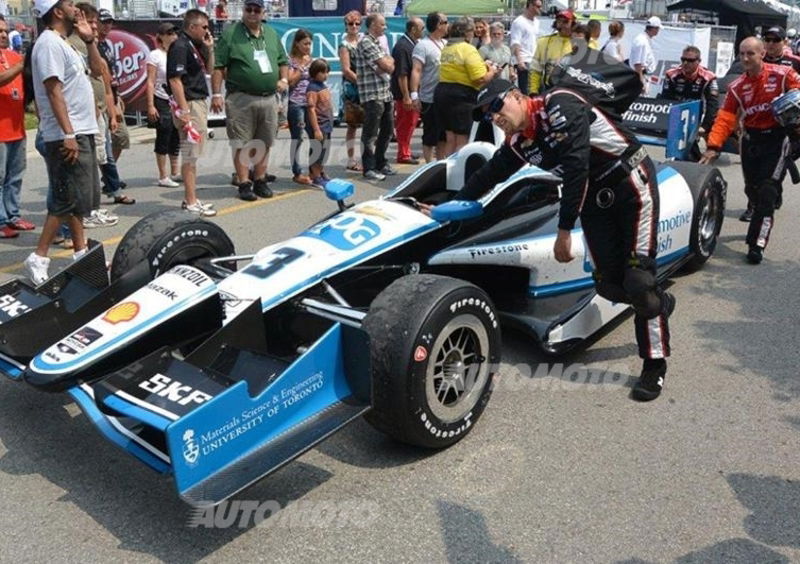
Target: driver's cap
x=487 y=94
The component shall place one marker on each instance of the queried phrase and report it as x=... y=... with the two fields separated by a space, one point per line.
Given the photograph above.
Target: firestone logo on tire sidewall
x=478 y=303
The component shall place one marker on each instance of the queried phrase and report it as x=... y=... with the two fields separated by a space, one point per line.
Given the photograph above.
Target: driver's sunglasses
x=253 y=9
x=496 y=105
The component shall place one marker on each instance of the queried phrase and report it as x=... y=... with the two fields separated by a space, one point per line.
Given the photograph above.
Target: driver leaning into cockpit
x=609 y=181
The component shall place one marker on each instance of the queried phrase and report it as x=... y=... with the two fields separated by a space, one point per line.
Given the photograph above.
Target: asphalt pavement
x=558 y=469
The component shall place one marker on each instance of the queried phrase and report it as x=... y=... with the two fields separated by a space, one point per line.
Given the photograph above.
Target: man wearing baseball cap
x=550 y=49
x=252 y=60
x=68 y=125
x=642 y=58
x=609 y=182
x=776 y=52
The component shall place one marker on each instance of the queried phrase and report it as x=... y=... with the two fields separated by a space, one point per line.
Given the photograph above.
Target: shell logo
x=121 y=312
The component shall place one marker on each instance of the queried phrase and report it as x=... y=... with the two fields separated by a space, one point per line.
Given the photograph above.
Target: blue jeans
x=12 y=168
x=296 y=116
x=109 y=173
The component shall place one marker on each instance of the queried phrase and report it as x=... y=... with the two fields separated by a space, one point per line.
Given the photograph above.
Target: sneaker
x=8 y=232
x=755 y=254
x=176 y=178
x=21 y=224
x=246 y=192
x=167 y=182
x=320 y=181
x=97 y=219
x=106 y=213
x=36 y=267
x=388 y=170
x=262 y=189
x=78 y=255
x=199 y=209
x=748 y=213
x=374 y=175
x=651 y=381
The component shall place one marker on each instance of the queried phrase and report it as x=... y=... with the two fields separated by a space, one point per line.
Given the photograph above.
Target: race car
x=221 y=375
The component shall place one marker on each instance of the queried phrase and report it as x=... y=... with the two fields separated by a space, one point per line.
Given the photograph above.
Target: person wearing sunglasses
x=251 y=59
x=693 y=81
x=776 y=52
x=609 y=182
x=765 y=145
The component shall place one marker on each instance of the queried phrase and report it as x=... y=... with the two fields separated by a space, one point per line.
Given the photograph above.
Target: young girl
x=320 y=120
x=299 y=60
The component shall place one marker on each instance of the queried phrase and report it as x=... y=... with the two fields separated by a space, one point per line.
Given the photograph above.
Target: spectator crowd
x=432 y=74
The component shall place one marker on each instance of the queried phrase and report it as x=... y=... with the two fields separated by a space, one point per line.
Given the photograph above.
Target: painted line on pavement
x=66 y=253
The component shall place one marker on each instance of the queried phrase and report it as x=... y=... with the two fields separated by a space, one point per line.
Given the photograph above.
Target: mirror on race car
x=338 y=189
x=457 y=210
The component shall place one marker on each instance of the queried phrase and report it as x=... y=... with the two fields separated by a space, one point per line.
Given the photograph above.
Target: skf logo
x=12 y=306
x=191 y=450
x=173 y=390
x=121 y=312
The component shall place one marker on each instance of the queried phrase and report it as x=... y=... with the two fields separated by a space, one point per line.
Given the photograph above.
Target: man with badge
x=251 y=59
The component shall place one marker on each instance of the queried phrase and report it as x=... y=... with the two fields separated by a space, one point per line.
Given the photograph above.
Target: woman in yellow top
x=462 y=72
x=550 y=49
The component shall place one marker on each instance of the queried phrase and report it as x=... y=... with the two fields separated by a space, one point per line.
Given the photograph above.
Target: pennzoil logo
x=121 y=312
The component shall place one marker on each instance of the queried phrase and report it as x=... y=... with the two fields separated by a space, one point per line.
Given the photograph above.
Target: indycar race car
x=221 y=375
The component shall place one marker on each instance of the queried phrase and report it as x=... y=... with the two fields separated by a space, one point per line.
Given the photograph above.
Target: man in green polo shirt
x=251 y=59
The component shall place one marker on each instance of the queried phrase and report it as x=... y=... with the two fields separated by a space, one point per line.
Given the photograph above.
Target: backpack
x=608 y=84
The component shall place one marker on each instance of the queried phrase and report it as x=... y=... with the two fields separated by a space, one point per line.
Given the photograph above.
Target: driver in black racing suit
x=609 y=182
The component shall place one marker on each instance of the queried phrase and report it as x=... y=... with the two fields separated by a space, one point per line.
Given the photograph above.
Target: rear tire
x=168 y=238
x=709 y=192
x=435 y=346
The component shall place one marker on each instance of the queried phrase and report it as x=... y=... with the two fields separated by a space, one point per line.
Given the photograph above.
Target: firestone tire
x=168 y=238
x=435 y=346
x=709 y=193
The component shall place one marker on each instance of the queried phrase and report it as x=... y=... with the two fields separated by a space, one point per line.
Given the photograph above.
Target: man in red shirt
x=765 y=145
x=12 y=138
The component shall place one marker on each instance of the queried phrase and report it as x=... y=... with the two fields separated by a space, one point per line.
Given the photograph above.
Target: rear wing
x=665 y=123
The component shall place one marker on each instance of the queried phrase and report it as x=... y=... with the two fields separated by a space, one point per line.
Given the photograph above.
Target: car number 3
x=280 y=258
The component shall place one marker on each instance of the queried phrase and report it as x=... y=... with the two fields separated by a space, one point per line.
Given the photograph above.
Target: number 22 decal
x=281 y=257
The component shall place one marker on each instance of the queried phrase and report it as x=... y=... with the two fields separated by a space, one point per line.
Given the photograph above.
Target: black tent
x=746 y=16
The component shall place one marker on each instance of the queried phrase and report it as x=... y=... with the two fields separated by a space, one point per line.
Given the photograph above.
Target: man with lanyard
x=406 y=116
x=187 y=60
x=765 y=145
x=253 y=62
x=422 y=84
x=693 y=81
x=608 y=181
x=642 y=58
x=549 y=50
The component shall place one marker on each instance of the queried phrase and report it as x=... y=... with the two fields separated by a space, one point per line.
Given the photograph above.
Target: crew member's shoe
x=755 y=254
x=374 y=175
x=651 y=380
x=246 y=192
x=262 y=189
x=36 y=267
x=748 y=213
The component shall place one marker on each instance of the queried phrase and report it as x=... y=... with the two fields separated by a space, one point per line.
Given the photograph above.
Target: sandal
x=354 y=166
x=124 y=200
x=302 y=179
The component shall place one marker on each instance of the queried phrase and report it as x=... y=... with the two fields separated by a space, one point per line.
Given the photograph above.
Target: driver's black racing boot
x=755 y=254
x=651 y=381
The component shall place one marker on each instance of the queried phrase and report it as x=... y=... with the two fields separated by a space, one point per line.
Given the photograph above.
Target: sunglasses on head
x=253 y=9
x=688 y=60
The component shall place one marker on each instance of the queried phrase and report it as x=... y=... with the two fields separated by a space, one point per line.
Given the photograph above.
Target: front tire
x=169 y=238
x=435 y=346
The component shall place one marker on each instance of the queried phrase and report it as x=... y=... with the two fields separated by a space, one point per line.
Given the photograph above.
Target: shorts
x=120 y=139
x=75 y=187
x=167 y=140
x=454 y=104
x=250 y=117
x=432 y=133
x=198 y=113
